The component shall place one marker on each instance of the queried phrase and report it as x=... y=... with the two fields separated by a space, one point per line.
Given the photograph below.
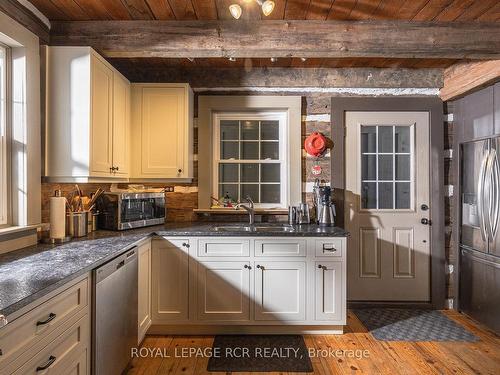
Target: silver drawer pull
x=49 y=363
x=330 y=248
x=51 y=317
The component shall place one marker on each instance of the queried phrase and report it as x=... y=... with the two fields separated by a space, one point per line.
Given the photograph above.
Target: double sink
x=255 y=228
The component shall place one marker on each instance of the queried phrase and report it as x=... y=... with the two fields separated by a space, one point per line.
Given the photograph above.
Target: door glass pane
x=270 y=172
x=250 y=130
x=250 y=172
x=250 y=190
x=403 y=167
x=229 y=150
x=230 y=189
x=402 y=139
x=228 y=173
x=229 y=130
x=403 y=195
x=385 y=195
x=369 y=195
x=270 y=150
x=385 y=139
x=270 y=193
x=385 y=167
x=270 y=130
x=368 y=167
x=368 y=139
x=249 y=150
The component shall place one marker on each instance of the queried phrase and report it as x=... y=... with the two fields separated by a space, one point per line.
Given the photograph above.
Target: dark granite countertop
x=30 y=273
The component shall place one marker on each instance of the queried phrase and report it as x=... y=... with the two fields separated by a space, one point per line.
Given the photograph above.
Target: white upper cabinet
x=162 y=131
x=88 y=121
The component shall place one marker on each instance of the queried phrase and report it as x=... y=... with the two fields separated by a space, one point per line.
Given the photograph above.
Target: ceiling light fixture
x=267 y=7
x=190 y=59
x=303 y=59
x=233 y=59
x=235 y=10
x=274 y=59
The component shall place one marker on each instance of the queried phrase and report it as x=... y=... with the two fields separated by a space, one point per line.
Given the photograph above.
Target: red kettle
x=315 y=144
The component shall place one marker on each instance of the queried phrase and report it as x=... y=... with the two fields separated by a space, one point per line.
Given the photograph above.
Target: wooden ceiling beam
x=333 y=39
x=25 y=17
x=464 y=77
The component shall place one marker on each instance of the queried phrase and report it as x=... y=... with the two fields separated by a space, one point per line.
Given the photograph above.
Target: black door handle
x=49 y=363
x=51 y=317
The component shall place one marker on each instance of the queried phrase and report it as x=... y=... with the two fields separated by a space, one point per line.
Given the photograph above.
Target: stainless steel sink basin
x=253 y=228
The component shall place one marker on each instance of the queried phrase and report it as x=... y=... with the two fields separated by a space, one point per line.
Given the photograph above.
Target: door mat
x=412 y=325
x=259 y=353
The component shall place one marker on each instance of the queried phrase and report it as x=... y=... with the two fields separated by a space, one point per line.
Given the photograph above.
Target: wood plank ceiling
x=408 y=10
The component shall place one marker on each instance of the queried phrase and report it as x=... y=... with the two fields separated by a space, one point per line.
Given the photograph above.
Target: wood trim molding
x=461 y=78
x=27 y=18
x=435 y=108
x=335 y=39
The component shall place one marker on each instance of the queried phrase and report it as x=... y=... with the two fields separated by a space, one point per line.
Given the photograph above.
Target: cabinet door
x=170 y=299
x=102 y=124
x=478 y=114
x=144 y=295
x=163 y=130
x=121 y=121
x=328 y=291
x=280 y=291
x=223 y=291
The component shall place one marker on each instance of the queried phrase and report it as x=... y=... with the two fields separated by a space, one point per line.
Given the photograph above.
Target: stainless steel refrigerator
x=479 y=283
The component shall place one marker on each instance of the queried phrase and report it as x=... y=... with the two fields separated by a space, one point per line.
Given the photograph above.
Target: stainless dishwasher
x=114 y=329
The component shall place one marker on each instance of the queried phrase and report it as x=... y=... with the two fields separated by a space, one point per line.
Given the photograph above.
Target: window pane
x=250 y=130
x=249 y=150
x=270 y=130
x=403 y=195
x=229 y=129
x=250 y=172
x=402 y=139
x=270 y=193
x=229 y=189
x=403 y=167
x=385 y=195
x=385 y=167
x=270 y=172
x=385 y=139
x=229 y=150
x=368 y=139
x=250 y=190
x=270 y=150
x=368 y=167
x=369 y=195
x=228 y=172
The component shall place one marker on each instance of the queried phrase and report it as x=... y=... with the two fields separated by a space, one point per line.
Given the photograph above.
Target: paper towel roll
x=57 y=217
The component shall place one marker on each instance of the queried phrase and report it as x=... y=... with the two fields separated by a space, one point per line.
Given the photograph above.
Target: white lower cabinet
x=144 y=290
x=280 y=291
x=329 y=291
x=223 y=291
x=170 y=280
x=212 y=281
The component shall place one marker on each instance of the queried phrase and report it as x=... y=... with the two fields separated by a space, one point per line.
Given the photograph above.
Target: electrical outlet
x=449 y=303
x=450 y=269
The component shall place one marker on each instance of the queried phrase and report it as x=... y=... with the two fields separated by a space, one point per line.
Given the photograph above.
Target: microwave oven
x=119 y=211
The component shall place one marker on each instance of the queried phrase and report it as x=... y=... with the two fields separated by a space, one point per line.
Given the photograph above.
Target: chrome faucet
x=249 y=208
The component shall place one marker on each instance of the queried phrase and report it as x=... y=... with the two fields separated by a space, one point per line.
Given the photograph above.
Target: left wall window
x=4 y=133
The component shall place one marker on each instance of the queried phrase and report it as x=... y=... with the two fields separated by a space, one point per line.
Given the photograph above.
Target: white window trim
x=282 y=117
x=5 y=160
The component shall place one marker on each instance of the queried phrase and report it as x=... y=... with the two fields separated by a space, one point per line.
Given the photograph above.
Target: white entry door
x=387 y=198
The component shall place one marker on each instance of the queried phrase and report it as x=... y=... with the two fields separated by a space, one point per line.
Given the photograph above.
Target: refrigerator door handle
x=494 y=177
x=480 y=196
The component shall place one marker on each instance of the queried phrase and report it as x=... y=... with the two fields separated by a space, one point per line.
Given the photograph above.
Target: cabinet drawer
x=26 y=331
x=280 y=248
x=332 y=247
x=226 y=248
x=67 y=352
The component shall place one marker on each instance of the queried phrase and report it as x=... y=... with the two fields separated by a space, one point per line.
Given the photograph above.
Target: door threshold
x=388 y=304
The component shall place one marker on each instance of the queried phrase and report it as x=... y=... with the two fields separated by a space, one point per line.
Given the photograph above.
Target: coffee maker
x=325 y=209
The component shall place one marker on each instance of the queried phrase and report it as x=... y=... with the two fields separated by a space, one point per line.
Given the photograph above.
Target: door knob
x=425 y=221
x=424 y=207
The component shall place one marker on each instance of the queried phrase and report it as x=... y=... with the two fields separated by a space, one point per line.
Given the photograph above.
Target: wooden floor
x=481 y=357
